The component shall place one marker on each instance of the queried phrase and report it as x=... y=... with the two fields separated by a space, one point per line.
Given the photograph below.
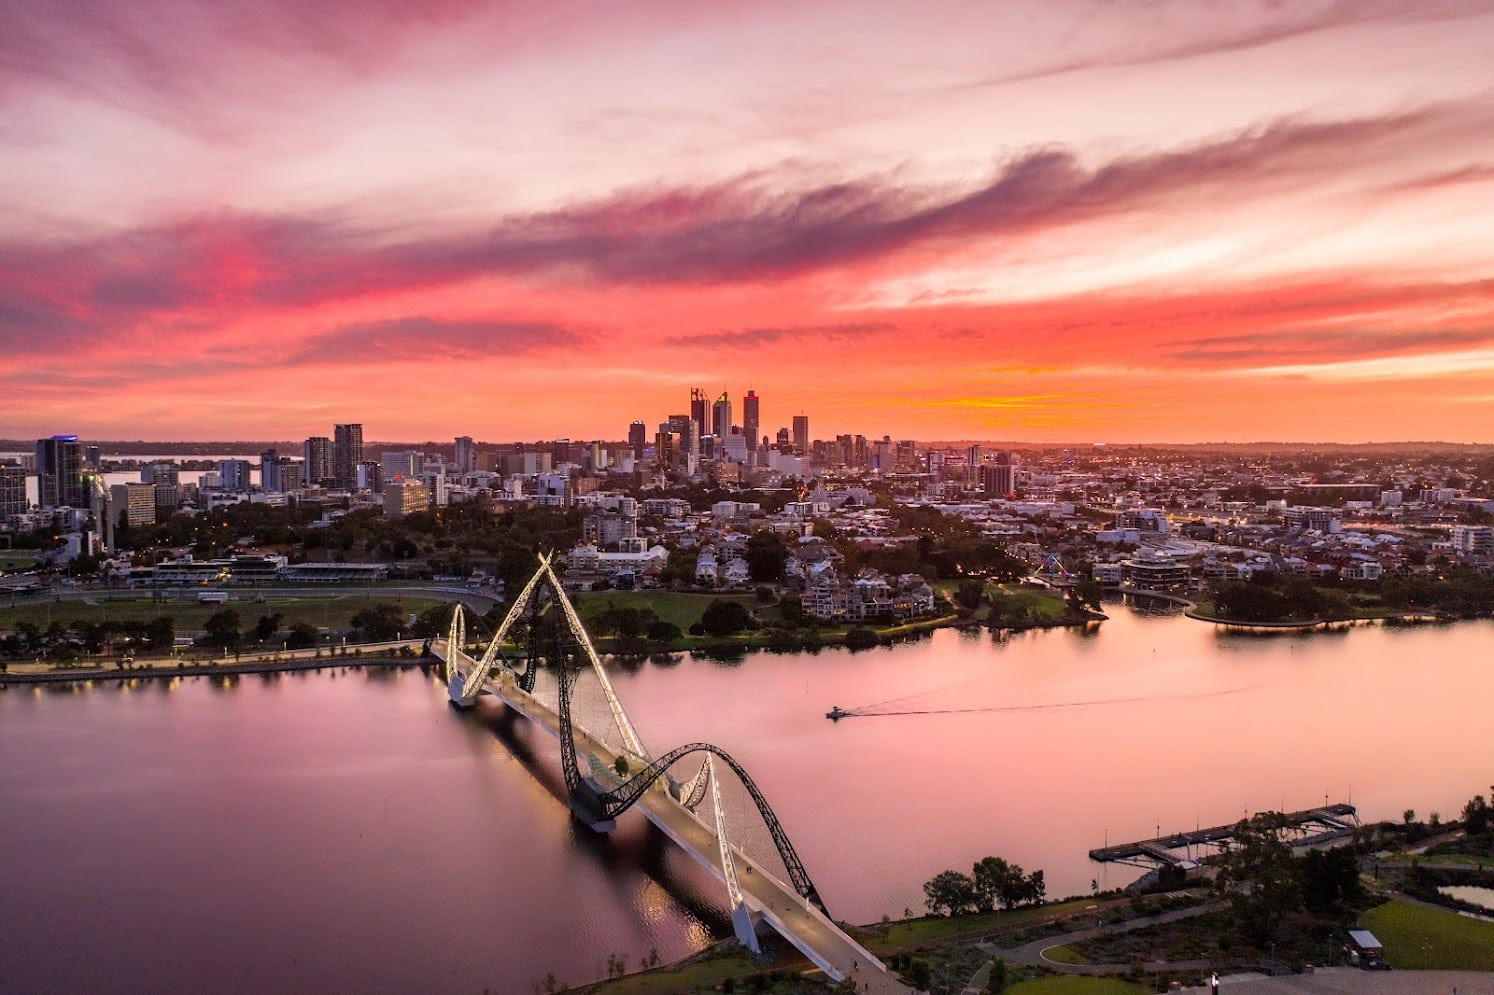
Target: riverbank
x=397 y=654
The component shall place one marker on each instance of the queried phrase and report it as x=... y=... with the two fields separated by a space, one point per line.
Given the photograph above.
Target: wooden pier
x=1310 y=827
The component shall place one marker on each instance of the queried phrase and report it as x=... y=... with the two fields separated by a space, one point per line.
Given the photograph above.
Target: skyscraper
x=638 y=438
x=698 y=405
x=59 y=472
x=801 y=434
x=12 y=489
x=466 y=456
x=318 y=466
x=234 y=474
x=721 y=416
x=750 y=420
x=347 y=455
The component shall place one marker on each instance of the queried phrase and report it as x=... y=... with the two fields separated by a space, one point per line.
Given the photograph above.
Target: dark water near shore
x=348 y=831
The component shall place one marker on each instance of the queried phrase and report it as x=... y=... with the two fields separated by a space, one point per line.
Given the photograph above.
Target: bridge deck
x=769 y=898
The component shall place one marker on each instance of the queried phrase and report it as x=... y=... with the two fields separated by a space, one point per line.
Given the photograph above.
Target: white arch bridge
x=623 y=774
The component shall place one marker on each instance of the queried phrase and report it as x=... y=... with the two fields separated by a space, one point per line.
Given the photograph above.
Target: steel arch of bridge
x=623 y=797
x=603 y=805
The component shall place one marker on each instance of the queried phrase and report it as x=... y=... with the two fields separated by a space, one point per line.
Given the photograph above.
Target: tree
x=160 y=633
x=765 y=556
x=222 y=629
x=950 y=891
x=267 y=626
x=1258 y=876
x=664 y=632
x=725 y=618
x=381 y=620
x=301 y=636
x=996 y=983
x=1086 y=594
x=1476 y=818
x=862 y=638
x=969 y=593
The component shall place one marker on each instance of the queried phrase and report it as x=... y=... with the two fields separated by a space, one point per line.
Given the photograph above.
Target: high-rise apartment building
x=317 y=468
x=801 y=434
x=59 y=472
x=721 y=416
x=465 y=462
x=347 y=455
x=750 y=421
x=999 y=479
x=137 y=501
x=233 y=474
x=12 y=490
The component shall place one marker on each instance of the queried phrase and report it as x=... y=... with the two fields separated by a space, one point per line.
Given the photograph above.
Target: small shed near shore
x=1364 y=949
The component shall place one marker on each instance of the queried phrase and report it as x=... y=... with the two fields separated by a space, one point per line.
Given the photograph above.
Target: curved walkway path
x=1031 y=954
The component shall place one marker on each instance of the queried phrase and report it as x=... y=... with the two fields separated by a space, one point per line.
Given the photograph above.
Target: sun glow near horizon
x=1044 y=221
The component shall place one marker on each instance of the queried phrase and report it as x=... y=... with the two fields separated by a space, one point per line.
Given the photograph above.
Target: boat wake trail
x=879 y=710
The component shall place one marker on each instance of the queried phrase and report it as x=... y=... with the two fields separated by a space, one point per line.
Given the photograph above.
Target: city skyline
x=1046 y=223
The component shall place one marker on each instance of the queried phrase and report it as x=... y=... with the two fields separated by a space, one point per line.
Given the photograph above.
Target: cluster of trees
x=224 y=630
x=991 y=882
x=1268 y=887
x=632 y=624
x=1268 y=597
x=1462 y=592
x=63 y=643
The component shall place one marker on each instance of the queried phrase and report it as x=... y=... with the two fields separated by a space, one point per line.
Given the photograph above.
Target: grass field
x=919 y=932
x=1063 y=955
x=189 y=616
x=683 y=609
x=1421 y=938
x=1076 y=986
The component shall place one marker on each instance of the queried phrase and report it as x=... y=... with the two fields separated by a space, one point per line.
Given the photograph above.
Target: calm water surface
x=351 y=831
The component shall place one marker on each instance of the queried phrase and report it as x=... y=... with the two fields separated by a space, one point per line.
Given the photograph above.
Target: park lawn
x=697 y=974
x=1076 y=986
x=1064 y=955
x=1421 y=938
x=682 y=608
x=1015 y=600
x=189 y=616
x=931 y=929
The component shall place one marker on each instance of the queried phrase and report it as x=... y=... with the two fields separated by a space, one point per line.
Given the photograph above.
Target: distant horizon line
x=128 y=447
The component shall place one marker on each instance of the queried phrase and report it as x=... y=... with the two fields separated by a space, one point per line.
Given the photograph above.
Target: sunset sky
x=1044 y=221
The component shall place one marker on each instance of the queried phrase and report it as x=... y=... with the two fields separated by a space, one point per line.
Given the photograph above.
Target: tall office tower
x=1000 y=480
x=12 y=489
x=406 y=463
x=638 y=438
x=561 y=452
x=347 y=455
x=166 y=478
x=750 y=420
x=784 y=444
x=698 y=406
x=318 y=467
x=59 y=472
x=907 y=456
x=664 y=448
x=234 y=474
x=687 y=443
x=92 y=458
x=801 y=434
x=721 y=416
x=269 y=472
x=466 y=456
x=370 y=476
x=136 y=501
x=882 y=454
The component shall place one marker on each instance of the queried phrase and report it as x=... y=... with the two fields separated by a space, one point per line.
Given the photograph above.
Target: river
x=348 y=830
